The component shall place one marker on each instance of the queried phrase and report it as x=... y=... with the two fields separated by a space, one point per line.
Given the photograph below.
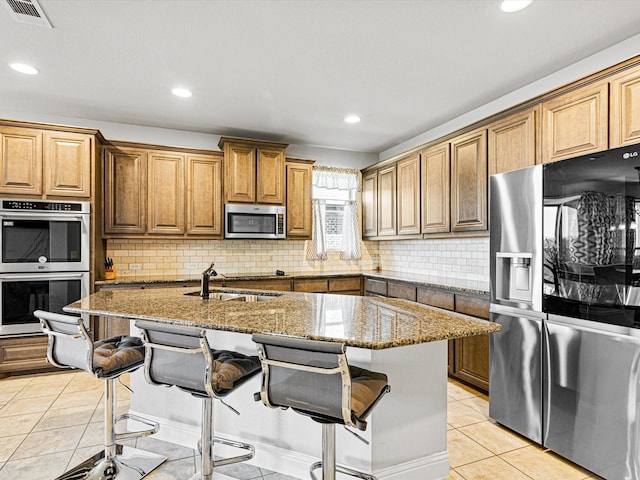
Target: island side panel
x=407 y=429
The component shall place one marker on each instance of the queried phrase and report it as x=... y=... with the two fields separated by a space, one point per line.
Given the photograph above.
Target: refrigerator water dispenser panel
x=514 y=276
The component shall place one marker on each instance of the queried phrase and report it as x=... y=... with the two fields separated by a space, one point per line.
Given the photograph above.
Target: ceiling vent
x=27 y=11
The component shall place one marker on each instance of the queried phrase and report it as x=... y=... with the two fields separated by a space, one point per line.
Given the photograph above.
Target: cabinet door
x=512 y=142
x=387 y=200
x=472 y=353
x=67 y=164
x=575 y=123
x=21 y=161
x=165 y=184
x=408 y=195
x=624 y=123
x=370 y=204
x=125 y=193
x=270 y=176
x=436 y=192
x=239 y=173
x=299 y=200
x=204 y=195
x=469 y=182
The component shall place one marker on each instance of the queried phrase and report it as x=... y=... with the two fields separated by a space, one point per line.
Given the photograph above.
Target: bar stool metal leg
x=328 y=463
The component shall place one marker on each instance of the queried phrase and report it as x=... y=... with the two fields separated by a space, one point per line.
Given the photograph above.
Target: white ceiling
x=290 y=70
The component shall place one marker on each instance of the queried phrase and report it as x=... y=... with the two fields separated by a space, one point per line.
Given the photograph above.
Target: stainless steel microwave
x=255 y=221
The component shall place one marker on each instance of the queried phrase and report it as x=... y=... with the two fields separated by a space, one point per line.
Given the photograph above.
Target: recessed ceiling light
x=181 y=92
x=511 y=6
x=23 y=68
x=352 y=119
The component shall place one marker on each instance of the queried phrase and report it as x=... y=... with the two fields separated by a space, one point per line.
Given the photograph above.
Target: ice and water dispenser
x=514 y=276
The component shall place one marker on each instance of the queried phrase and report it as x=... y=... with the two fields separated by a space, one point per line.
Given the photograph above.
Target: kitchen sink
x=240 y=296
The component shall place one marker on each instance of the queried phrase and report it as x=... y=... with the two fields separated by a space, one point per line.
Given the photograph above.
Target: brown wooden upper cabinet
x=204 y=195
x=299 y=185
x=162 y=192
x=513 y=141
x=469 y=181
x=408 y=195
x=125 y=192
x=387 y=200
x=254 y=172
x=370 y=204
x=624 y=123
x=43 y=162
x=576 y=123
x=436 y=189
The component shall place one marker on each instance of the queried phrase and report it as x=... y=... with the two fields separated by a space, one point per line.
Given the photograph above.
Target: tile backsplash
x=148 y=257
x=462 y=262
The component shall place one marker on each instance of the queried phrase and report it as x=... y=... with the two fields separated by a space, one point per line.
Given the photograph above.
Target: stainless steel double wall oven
x=565 y=286
x=44 y=260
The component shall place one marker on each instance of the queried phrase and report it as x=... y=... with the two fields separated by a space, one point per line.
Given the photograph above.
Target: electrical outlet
x=304 y=263
x=192 y=266
x=135 y=266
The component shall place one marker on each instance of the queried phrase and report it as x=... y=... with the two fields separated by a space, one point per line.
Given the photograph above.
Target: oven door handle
x=40 y=216
x=40 y=276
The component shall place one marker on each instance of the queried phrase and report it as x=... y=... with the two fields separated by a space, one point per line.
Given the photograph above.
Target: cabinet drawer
x=345 y=284
x=281 y=285
x=22 y=354
x=478 y=307
x=396 y=290
x=435 y=298
x=313 y=286
x=378 y=287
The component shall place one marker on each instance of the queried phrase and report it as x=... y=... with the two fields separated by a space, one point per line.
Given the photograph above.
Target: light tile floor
x=49 y=423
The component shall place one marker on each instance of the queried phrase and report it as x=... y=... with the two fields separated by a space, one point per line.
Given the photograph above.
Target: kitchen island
x=405 y=340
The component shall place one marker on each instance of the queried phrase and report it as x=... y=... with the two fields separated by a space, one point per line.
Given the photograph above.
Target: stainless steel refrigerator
x=565 y=286
x=515 y=381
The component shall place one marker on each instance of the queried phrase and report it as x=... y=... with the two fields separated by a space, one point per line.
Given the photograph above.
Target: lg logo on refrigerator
x=628 y=155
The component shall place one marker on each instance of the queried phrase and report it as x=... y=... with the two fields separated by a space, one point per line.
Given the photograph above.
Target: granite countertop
x=416 y=279
x=365 y=322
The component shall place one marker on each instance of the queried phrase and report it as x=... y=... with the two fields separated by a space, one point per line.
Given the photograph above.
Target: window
x=335 y=213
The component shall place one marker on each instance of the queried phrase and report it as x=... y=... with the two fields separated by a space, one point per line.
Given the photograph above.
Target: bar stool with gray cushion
x=314 y=379
x=181 y=356
x=70 y=346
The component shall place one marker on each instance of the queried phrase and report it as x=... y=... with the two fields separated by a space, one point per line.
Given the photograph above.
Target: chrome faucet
x=204 y=281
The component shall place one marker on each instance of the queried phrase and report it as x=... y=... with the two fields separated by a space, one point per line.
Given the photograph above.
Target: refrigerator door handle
x=516 y=312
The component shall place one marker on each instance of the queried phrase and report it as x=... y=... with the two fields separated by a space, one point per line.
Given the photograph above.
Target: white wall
x=181 y=138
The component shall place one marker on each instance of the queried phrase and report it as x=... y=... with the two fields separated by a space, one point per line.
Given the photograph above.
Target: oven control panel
x=39 y=206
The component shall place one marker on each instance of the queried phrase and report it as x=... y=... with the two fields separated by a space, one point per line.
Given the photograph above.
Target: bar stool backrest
x=309 y=376
x=177 y=355
x=69 y=345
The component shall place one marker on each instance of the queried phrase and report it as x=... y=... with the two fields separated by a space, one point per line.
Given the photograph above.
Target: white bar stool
x=314 y=379
x=181 y=356
x=70 y=346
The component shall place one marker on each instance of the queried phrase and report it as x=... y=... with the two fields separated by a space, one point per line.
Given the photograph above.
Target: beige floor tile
x=27 y=405
x=37 y=389
x=543 y=465
x=93 y=435
x=81 y=454
x=458 y=391
x=49 y=441
x=83 y=383
x=463 y=450
x=98 y=414
x=8 y=445
x=170 y=450
x=174 y=469
x=454 y=475
x=479 y=404
x=8 y=390
x=62 y=377
x=78 y=399
x=16 y=424
x=64 y=417
x=459 y=415
x=493 y=468
x=43 y=467
x=493 y=437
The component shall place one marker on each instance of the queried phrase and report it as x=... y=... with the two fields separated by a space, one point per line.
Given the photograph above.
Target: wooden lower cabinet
x=338 y=285
x=23 y=354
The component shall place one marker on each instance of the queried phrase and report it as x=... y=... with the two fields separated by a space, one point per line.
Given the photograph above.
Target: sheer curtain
x=339 y=184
